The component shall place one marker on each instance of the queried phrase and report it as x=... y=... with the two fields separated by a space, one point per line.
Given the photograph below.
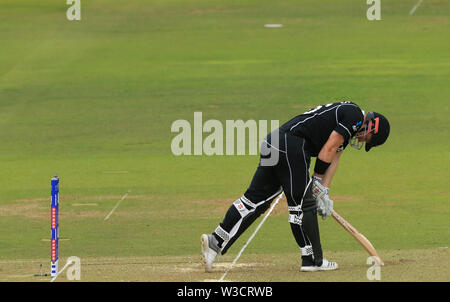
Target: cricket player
x=322 y=132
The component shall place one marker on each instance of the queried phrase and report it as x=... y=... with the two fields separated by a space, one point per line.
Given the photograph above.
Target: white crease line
x=412 y=11
x=118 y=203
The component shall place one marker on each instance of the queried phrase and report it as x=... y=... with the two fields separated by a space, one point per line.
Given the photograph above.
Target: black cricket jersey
x=317 y=124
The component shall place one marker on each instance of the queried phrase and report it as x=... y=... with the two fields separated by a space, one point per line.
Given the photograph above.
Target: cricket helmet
x=378 y=125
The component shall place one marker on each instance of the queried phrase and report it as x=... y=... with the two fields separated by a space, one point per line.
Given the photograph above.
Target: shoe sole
x=204 y=240
x=317 y=269
x=309 y=269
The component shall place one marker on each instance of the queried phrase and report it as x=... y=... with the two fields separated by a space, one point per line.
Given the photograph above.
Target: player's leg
x=293 y=172
x=310 y=227
x=263 y=188
x=312 y=256
x=241 y=214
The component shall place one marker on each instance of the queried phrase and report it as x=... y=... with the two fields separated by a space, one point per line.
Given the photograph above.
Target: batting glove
x=320 y=194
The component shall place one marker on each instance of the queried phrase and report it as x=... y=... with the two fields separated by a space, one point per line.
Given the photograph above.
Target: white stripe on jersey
x=312 y=117
x=349 y=133
x=337 y=122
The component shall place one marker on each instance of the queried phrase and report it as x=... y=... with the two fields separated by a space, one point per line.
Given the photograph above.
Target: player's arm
x=327 y=154
x=325 y=167
x=329 y=174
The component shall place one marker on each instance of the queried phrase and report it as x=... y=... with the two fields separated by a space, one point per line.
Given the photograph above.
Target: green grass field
x=94 y=100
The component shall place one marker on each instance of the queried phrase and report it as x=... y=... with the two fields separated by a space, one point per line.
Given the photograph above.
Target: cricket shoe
x=326 y=266
x=210 y=249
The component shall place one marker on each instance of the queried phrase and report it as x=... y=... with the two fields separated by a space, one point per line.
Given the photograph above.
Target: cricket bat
x=358 y=236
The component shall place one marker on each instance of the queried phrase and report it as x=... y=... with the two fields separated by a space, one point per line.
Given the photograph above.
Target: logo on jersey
x=357 y=126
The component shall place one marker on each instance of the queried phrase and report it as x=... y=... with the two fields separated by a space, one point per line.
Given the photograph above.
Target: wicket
x=54 y=226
